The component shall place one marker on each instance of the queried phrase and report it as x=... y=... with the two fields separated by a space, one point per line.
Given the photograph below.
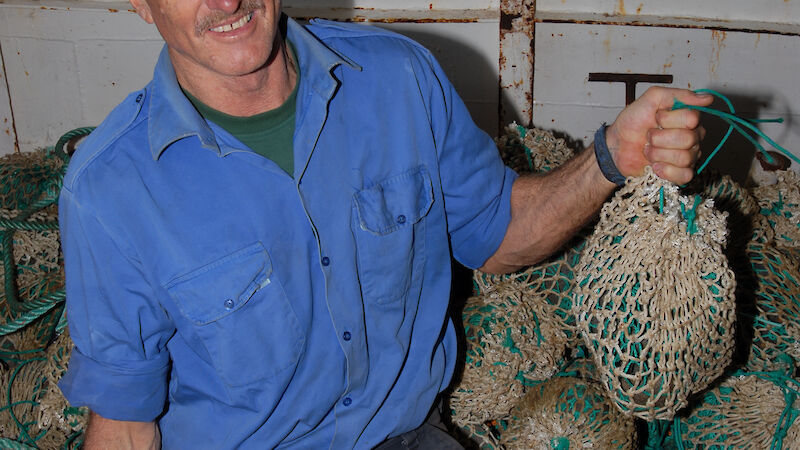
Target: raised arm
x=107 y=434
x=546 y=210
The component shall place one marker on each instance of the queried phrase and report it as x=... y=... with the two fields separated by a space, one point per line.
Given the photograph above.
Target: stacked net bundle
x=568 y=413
x=776 y=317
x=780 y=204
x=532 y=149
x=504 y=353
x=37 y=414
x=34 y=346
x=655 y=297
x=744 y=412
x=31 y=267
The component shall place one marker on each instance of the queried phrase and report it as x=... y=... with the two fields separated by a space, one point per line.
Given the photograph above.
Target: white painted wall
x=69 y=62
x=757 y=71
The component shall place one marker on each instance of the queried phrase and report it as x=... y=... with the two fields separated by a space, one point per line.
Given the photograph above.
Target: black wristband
x=604 y=159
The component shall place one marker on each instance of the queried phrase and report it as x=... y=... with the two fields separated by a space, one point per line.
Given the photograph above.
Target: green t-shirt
x=270 y=134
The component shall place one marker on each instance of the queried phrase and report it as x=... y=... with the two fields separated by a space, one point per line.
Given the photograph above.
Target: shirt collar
x=173 y=117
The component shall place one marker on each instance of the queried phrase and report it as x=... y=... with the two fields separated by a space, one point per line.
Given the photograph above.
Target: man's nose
x=227 y=6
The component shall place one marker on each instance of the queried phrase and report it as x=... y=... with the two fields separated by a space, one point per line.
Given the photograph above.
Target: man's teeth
x=230 y=27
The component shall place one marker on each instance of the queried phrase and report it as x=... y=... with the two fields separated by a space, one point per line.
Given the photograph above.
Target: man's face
x=208 y=38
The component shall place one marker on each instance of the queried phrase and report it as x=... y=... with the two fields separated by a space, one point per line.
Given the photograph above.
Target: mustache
x=216 y=17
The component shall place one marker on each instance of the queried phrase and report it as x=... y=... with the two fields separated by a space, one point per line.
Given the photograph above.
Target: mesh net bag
x=31 y=265
x=776 y=320
x=568 y=413
x=744 y=412
x=40 y=416
x=780 y=204
x=655 y=297
x=532 y=150
x=503 y=354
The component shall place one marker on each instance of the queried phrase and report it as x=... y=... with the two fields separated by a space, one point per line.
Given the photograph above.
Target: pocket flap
x=395 y=202
x=219 y=288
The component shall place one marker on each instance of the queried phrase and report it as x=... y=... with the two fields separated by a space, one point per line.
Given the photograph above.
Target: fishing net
x=503 y=354
x=780 y=204
x=746 y=411
x=655 y=297
x=532 y=149
x=31 y=263
x=567 y=413
x=776 y=321
x=37 y=414
x=34 y=344
x=478 y=436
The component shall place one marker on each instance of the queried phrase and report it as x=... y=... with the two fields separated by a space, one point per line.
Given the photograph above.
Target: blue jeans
x=431 y=435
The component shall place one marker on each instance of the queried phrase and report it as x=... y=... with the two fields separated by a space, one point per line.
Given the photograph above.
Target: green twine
x=735 y=123
x=661 y=200
x=691 y=215
x=559 y=443
x=10 y=444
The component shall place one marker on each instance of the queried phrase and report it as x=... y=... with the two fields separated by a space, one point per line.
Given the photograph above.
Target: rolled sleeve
x=119 y=366
x=134 y=392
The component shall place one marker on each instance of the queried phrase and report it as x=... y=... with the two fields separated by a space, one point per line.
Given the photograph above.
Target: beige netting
x=776 y=322
x=655 y=297
x=744 y=412
x=503 y=352
x=532 y=150
x=780 y=203
x=39 y=409
x=568 y=413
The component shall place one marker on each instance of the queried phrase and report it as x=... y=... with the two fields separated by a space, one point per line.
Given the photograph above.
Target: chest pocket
x=241 y=315
x=390 y=233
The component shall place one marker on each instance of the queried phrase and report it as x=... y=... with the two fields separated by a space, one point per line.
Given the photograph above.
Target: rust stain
x=698 y=25
x=607 y=46
x=667 y=66
x=430 y=6
x=8 y=131
x=112 y=10
x=26 y=73
x=639 y=8
x=758 y=39
x=620 y=8
x=717 y=44
x=402 y=20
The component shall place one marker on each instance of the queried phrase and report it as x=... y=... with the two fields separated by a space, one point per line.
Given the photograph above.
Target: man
x=257 y=244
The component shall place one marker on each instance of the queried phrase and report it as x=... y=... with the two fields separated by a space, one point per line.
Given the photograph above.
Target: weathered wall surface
x=68 y=63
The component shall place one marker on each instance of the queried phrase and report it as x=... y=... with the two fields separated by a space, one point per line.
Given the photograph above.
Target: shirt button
x=401 y=219
x=347 y=401
x=229 y=304
x=346 y=335
x=326 y=261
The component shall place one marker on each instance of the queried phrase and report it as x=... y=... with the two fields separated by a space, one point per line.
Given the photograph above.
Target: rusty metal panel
x=780 y=16
x=757 y=70
x=516 y=60
x=389 y=11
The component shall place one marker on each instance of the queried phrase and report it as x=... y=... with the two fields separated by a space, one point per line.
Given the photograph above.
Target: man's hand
x=649 y=132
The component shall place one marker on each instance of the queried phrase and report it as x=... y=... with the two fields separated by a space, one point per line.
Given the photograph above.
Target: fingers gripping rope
x=735 y=123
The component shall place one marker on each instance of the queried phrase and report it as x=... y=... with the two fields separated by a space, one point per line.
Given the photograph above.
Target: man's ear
x=143 y=9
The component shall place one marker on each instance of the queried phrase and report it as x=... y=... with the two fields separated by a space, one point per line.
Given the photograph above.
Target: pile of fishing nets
x=34 y=343
x=671 y=322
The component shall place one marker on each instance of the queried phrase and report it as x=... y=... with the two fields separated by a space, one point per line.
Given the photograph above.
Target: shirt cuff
x=484 y=239
x=118 y=393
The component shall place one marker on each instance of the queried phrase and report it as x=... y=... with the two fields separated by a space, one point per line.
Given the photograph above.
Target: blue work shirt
x=241 y=307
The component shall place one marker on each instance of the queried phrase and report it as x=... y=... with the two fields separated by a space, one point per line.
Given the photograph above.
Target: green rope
x=7 y=224
x=735 y=123
x=23 y=320
x=9 y=444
